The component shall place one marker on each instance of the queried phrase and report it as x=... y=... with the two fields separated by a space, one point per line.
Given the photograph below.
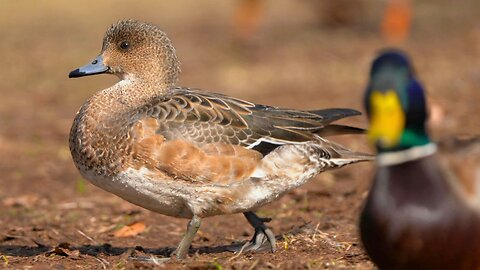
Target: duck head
x=135 y=50
x=395 y=104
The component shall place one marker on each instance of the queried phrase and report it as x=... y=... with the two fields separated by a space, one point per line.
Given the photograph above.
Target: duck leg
x=263 y=238
x=184 y=246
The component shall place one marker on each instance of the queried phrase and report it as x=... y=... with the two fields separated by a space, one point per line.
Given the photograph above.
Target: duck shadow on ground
x=65 y=249
x=104 y=249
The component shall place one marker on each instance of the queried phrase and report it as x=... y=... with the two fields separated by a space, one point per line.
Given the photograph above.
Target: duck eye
x=124 y=45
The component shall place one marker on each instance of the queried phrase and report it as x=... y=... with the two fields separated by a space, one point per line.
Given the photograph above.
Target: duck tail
x=332 y=130
x=341 y=156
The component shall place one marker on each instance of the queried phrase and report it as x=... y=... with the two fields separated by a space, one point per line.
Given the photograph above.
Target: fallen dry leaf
x=130 y=230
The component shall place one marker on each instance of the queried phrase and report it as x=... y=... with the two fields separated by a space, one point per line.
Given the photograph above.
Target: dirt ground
x=51 y=218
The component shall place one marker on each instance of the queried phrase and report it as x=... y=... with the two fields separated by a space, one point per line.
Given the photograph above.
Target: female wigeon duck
x=418 y=215
x=187 y=153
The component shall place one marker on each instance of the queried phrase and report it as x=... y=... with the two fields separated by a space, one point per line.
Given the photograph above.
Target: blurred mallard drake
x=417 y=215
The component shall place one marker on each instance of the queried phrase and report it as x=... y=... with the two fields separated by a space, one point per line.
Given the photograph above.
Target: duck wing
x=202 y=118
x=202 y=136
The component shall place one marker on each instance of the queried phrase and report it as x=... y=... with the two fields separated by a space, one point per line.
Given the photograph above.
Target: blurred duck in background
x=396 y=21
x=394 y=27
x=246 y=19
x=417 y=215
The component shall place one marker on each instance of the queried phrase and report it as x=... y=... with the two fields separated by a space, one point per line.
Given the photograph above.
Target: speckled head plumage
x=395 y=103
x=136 y=51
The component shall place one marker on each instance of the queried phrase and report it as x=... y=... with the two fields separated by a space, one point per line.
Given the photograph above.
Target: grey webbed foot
x=263 y=239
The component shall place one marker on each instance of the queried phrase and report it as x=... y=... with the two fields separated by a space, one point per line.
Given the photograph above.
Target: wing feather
x=203 y=117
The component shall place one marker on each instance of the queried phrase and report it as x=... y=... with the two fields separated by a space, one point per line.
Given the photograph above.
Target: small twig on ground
x=102 y=261
x=5 y=258
x=315 y=233
x=88 y=237
x=254 y=264
x=238 y=254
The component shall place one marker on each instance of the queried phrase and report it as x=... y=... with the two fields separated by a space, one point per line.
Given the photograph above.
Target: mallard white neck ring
x=411 y=154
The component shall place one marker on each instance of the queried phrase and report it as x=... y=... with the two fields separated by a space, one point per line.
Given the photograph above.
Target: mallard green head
x=395 y=104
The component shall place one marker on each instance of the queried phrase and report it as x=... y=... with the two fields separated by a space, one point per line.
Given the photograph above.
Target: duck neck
x=132 y=92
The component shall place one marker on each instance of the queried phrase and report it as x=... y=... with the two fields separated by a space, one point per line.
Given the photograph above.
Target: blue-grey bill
x=95 y=67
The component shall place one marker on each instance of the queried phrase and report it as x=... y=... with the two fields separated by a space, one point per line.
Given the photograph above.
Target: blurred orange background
x=283 y=53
